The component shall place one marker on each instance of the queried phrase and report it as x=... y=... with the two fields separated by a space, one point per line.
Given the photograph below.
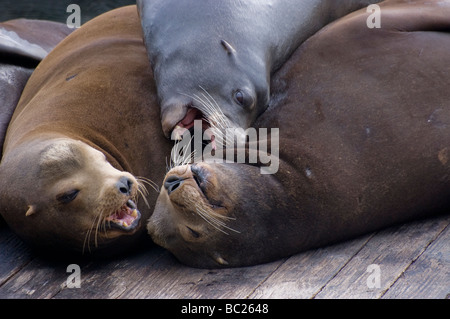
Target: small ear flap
x=31 y=210
x=230 y=50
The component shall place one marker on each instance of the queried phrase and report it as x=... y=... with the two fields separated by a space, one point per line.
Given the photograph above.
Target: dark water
x=55 y=10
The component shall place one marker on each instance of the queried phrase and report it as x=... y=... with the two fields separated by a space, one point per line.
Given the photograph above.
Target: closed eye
x=193 y=232
x=67 y=197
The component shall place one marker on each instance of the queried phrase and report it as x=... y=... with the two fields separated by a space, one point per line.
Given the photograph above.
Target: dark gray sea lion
x=364 y=142
x=85 y=131
x=225 y=51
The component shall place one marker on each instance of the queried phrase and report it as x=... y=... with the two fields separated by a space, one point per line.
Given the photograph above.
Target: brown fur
x=94 y=92
x=364 y=119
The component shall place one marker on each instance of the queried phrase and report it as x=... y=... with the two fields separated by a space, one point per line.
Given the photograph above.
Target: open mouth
x=126 y=218
x=187 y=124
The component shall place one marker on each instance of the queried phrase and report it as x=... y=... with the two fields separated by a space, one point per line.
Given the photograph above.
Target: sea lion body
x=364 y=143
x=225 y=52
x=23 y=44
x=85 y=130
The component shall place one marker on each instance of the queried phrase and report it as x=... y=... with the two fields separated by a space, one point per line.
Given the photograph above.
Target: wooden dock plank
x=429 y=275
x=156 y=274
x=304 y=275
x=392 y=250
x=110 y=279
x=237 y=283
x=39 y=279
x=14 y=254
x=166 y=278
x=413 y=258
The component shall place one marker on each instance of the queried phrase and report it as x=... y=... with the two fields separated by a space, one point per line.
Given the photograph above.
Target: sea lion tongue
x=191 y=115
x=187 y=122
x=125 y=218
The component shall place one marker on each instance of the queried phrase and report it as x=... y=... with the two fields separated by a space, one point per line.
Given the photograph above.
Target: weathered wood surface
x=413 y=260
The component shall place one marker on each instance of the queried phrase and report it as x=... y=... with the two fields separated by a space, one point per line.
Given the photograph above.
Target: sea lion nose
x=172 y=183
x=124 y=185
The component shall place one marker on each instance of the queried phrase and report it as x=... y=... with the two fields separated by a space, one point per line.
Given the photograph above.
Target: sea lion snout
x=178 y=175
x=172 y=183
x=173 y=110
x=125 y=185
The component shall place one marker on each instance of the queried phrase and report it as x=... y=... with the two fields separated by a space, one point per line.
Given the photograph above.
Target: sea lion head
x=63 y=194
x=206 y=218
x=223 y=89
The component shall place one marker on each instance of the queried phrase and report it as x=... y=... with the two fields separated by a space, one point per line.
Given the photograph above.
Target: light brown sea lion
x=364 y=142
x=86 y=127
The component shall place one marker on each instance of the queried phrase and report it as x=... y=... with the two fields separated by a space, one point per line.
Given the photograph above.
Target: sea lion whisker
x=218 y=123
x=87 y=238
x=215 y=116
x=143 y=190
x=187 y=158
x=217 y=218
x=206 y=218
x=104 y=225
x=174 y=155
x=221 y=216
x=168 y=165
x=178 y=159
x=212 y=219
x=143 y=195
x=141 y=180
x=99 y=220
x=218 y=135
x=203 y=105
x=148 y=180
x=212 y=112
x=218 y=110
x=90 y=233
x=215 y=106
x=219 y=223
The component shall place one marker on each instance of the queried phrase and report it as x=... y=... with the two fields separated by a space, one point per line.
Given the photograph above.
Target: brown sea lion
x=364 y=142
x=85 y=130
x=226 y=50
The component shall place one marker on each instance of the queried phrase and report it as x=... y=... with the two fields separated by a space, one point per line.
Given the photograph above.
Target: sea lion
x=227 y=51
x=364 y=142
x=23 y=44
x=85 y=130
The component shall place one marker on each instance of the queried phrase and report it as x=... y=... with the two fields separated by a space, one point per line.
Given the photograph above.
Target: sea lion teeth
x=131 y=204
x=39 y=155
x=178 y=133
